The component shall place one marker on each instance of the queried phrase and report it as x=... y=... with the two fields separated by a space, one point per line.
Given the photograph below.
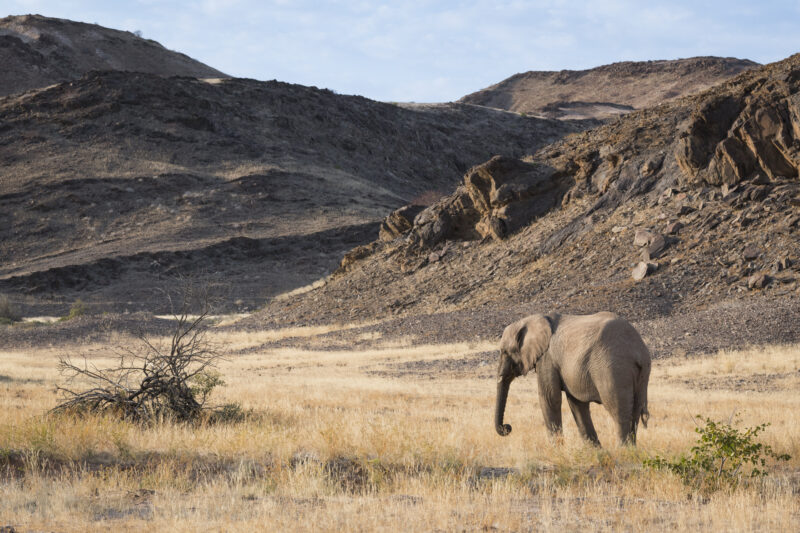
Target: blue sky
x=427 y=51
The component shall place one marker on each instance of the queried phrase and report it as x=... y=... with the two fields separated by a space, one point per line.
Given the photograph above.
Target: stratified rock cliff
x=679 y=206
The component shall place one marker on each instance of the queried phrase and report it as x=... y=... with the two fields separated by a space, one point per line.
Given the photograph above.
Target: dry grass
x=343 y=441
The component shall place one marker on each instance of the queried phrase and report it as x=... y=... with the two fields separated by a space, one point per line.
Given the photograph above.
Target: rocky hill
x=38 y=51
x=607 y=91
x=115 y=183
x=668 y=211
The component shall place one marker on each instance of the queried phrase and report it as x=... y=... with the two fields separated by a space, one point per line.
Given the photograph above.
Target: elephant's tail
x=640 y=396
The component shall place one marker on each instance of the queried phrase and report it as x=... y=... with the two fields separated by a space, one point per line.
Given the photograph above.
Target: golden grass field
x=355 y=441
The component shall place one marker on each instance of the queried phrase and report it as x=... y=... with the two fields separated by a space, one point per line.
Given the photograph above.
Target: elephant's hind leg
x=580 y=412
x=622 y=413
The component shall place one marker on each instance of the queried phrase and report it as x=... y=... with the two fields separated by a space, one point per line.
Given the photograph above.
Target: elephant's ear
x=521 y=336
x=535 y=341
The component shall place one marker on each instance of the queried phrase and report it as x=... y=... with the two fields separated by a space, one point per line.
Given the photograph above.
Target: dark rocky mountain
x=37 y=51
x=667 y=211
x=115 y=183
x=607 y=91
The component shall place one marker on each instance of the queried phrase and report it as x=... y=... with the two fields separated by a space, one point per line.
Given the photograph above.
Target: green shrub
x=8 y=311
x=78 y=309
x=722 y=457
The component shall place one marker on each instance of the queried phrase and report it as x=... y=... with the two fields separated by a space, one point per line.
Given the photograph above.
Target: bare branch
x=148 y=382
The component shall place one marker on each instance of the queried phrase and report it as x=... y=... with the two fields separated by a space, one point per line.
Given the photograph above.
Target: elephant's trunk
x=502 y=395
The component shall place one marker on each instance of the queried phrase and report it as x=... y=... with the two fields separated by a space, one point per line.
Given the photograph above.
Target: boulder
x=751 y=252
x=435 y=256
x=759 y=280
x=706 y=129
x=642 y=269
x=782 y=264
x=654 y=242
x=452 y=217
x=656 y=246
x=642 y=237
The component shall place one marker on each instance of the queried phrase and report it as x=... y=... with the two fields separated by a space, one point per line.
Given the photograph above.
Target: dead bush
x=152 y=380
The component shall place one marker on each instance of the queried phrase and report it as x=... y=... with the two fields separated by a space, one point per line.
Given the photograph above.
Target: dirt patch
x=477 y=365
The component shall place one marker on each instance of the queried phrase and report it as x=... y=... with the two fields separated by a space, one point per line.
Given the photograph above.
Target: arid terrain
x=393 y=434
x=362 y=259
x=607 y=91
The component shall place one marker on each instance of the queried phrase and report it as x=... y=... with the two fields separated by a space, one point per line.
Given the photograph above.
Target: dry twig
x=149 y=380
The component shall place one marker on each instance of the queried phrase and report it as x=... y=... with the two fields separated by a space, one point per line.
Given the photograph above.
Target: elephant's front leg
x=550 y=402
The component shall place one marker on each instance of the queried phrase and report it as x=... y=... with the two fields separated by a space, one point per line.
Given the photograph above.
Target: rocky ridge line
x=607 y=91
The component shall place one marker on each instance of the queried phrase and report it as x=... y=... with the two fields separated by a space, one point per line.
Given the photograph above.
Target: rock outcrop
x=496 y=199
x=751 y=134
x=399 y=222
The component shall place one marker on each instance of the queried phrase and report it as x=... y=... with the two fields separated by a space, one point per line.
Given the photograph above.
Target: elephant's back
x=625 y=341
x=604 y=331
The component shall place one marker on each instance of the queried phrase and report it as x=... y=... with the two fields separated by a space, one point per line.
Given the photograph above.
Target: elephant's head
x=523 y=344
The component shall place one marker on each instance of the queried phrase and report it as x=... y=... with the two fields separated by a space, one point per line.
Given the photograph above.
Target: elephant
x=596 y=358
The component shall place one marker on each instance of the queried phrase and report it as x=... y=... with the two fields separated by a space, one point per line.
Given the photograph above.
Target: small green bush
x=8 y=311
x=78 y=309
x=722 y=457
x=204 y=383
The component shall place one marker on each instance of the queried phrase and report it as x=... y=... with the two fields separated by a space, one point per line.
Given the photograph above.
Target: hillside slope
x=115 y=183
x=609 y=90
x=37 y=51
x=698 y=198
